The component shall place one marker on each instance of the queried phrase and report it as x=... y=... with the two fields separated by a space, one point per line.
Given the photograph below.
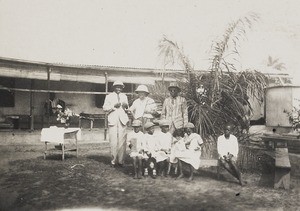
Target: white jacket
x=115 y=114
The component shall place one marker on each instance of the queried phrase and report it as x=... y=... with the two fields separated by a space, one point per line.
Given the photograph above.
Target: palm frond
x=226 y=89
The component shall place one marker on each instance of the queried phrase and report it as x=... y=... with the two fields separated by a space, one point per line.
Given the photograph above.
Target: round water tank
x=279 y=103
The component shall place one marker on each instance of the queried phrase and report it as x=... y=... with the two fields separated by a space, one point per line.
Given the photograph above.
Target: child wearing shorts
x=134 y=142
x=164 y=141
x=150 y=148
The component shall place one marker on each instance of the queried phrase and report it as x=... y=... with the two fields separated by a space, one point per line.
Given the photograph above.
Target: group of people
x=154 y=152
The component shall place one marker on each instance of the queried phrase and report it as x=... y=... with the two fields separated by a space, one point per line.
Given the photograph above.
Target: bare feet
x=160 y=174
x=242 y=183
x=180 y=176
x=135 y=176
x=191 y=178
x=153 y=176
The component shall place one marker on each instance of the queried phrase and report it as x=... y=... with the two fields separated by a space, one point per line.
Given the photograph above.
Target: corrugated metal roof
x=91 y=67
x=82 y=73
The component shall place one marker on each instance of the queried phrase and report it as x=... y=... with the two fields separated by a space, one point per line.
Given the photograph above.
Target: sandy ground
x=28 y=182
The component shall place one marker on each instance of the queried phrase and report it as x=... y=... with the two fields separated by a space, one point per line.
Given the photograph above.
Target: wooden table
x=92 y=118
x=20 y=121
x=15 y=120
x=279 y=145
x=59 y=135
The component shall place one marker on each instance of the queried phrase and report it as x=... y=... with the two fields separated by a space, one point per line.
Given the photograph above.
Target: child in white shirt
x=150 y=148
x=191 y=155
x=135 y=143
x=178 y=145
x=164 y=141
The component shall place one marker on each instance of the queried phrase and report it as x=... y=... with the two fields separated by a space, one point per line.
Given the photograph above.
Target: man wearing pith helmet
x=175 y=108
x=144 y=107
x=116 y=105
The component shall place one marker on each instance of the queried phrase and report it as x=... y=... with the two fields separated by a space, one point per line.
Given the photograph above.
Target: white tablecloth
x=56 y=134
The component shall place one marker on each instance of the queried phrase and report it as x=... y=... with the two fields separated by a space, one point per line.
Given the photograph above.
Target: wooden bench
x=278 y=144
x=282 y=168
x=6 y=126
x=205 y=163
x=19 y=121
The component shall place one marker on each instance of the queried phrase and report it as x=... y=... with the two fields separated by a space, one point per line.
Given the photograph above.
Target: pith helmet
x=164 y=122
x=174 y=85
x=118 y=83
x=148 y=125
x=142 y=88
x=190 y=125
x=136 y=123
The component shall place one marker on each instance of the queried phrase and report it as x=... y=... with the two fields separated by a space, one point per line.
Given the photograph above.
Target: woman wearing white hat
x=144 y=107
x=115 y=105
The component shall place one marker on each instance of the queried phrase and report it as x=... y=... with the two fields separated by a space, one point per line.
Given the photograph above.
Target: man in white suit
x=116 y=105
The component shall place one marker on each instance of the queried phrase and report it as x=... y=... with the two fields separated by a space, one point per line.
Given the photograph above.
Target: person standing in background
x=175 y=109
x=144 y=107
x=51 y=105
x=116 y=105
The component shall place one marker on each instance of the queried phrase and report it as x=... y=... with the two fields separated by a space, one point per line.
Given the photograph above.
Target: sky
x=127 y=32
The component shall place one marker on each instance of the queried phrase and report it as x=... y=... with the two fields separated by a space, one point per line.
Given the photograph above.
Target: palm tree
x=226 y=90
x=275 y=63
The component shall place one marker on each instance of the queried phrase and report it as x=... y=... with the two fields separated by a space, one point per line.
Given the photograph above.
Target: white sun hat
x=164 y=122
x=136 y=123
x=142 y=88
x=118 y=83
x=189 y=125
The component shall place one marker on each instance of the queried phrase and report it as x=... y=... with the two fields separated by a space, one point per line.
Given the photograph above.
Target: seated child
x=191 y=155
x=134 y=141
x=150 y=148
x=178 y=145
x=164 y=141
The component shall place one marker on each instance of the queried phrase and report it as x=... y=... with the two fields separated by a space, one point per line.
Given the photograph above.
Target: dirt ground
x=28 y=182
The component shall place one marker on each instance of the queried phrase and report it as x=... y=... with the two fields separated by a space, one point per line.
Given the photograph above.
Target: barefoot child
x=178 y=146
x=191 y=155
x=134 y=142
